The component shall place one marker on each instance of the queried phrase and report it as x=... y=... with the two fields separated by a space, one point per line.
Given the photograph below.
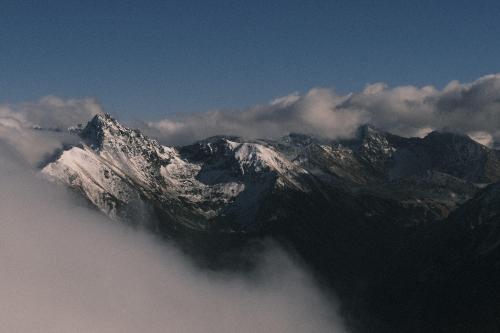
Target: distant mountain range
x=404 y=230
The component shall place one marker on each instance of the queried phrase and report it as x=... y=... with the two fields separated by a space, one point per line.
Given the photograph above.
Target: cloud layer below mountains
x=66 y=268
x=468 y=108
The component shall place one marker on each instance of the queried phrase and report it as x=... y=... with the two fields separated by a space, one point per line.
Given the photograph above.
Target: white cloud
x=18 y=124
x=65 y=268
x=55 y=112
x=482 y=137
x=405 y=110
x=315 y=113
x=468 y=108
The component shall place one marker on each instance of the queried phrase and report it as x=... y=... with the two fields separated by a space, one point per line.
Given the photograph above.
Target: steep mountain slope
x=456 y=155
x=388 y=222
x=445 y=278
x=130 y=176
x=428 y=177
x=208 y=183
x=480 y=217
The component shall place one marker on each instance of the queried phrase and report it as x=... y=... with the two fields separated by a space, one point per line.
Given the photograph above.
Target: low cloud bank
x=51 y=112
x=66 y=268
x=37 y=129
x=468 y=108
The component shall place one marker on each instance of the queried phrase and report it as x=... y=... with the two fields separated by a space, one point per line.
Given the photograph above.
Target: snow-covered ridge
x=119 y=169
x=128 y=175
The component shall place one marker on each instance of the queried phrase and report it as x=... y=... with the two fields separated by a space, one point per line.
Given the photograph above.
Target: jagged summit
x=459 y=155
x=299 y=139
x=100 y=127
x=106 y=134
x=119 y=169
x=450 y=138
x=102 y=122
x=376 y=200
x=104 y=125
x=367 y=130
x=366 y=135
x=216 y=138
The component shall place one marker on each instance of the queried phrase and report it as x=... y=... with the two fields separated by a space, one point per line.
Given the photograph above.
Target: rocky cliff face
x=124 y=173
x=132 y=177
x=398 y=227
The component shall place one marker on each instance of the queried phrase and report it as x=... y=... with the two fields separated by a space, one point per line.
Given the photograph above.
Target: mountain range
x=404 y=230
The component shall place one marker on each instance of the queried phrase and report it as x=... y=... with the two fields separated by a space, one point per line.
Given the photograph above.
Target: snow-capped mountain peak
x=119 y=169
x=104 y=132
x=123 y=172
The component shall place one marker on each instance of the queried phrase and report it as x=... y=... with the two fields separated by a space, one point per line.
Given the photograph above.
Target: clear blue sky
x=145 y=59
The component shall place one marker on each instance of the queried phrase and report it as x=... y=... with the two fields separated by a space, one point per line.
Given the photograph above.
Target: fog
x=67 y=268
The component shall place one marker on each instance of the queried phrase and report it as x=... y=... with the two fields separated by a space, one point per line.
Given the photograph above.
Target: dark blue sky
x=145 y=59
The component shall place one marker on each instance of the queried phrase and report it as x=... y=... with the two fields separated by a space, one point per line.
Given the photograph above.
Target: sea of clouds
x=67 y=268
